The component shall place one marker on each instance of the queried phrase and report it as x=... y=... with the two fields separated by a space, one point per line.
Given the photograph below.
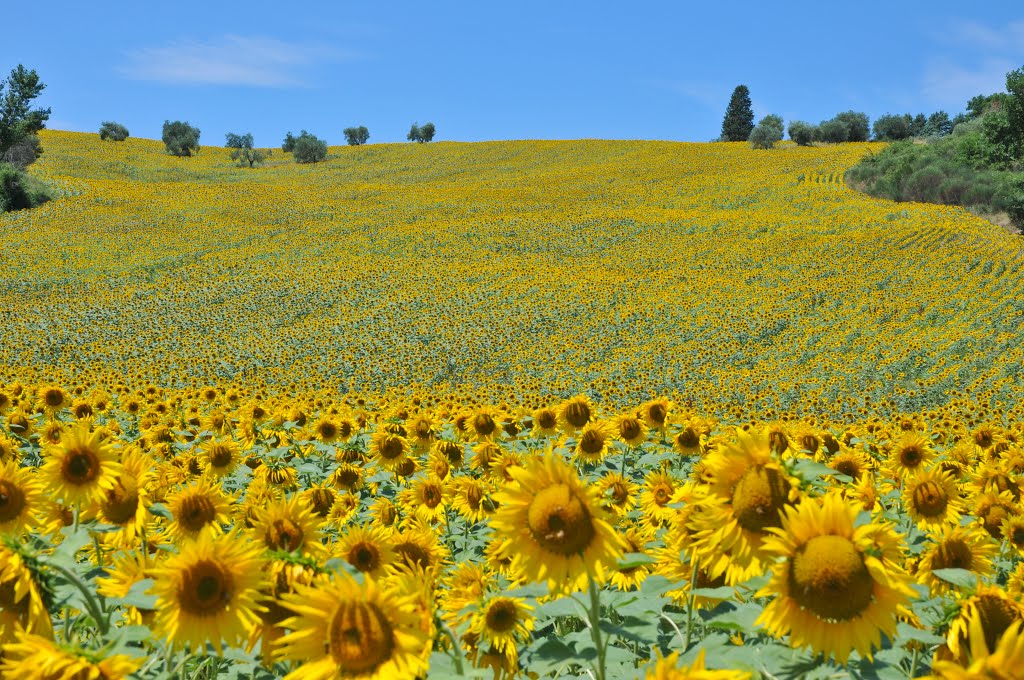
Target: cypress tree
x=739 y=117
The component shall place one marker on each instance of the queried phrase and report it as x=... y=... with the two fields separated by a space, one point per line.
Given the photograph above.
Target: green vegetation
x=19 y=190
x=308 y=148
x=243 y=150
x=739 y=116
x=979 y=166
x=115 y=132
x=356 y=135
x=768 y=131
x=19 y=141
x=180 y=138
x=418 y=133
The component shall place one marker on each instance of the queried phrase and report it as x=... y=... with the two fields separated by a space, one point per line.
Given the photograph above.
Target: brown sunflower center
x=220 y=455
x=992 y=518
x=847 y=467
x=996 y=615
x=619 y=492
x=778 y=441
x=688 y=438
x=431 y=495
x=205 y=588
x=560 y=520
x=196 y=512
x=953 y=554
x=413 y=554
x=629 y=428
x=391 y=448
x=328 y=431
x=662 y=494
x=930 y=499
x=121 y=504
x=592 y=443
x=577 y=414
x=365 y=557
x=387 y=515
x=657 y=413
x=53 y=398
x=758 y=497
x=284 y=534
x=911 y=456
x=827 y=575
x=474 y=494
x=501 y=616
x=546 y=418
x=80 y=467
x=322 y=500
x=484 y=424
x=360 y=638
x=12 y=501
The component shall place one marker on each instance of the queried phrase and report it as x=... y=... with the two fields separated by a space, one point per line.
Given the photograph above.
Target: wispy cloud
x=229 y=60
x=975 y=60
x=711 y=96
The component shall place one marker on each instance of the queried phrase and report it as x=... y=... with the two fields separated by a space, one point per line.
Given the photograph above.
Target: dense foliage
x=308 y=148
x=115 y=132
x=768 y=131
x=180 y=138
x=19 y=190
x=355 y=136
x=421 y=133
x=738 y=122
x=243 y=150
x=19 y=122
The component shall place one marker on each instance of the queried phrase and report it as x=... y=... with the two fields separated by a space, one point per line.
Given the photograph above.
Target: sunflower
x=851 y=463
x=450 y=451
x=991 y=511
x=1013 y=532
x=503 y=623
x=127 y=569
x=320 y=498
x=967 y=548
x=384 y=513
x=343 y=629
x=466 y=584
x=668 y=668
x=288 y=526
x=837 y=588
x=545 y=422
x=209 y=591
x=50 y=399
x=199 y=508
x=618 y=493
x=10 y=452
x=552 y=526
x=388 y=449
x=575 y=413
x=281 y=576
x=910 y=452
x=21 y=598
x=126 y=505
x=659 y=486
x=471 y=498
x=630 y=429
x=427 y=498
x=417 y=547
x=326 y=429
x=219 y=457
x=691 y=439
x=1008 y=654
x=82 y=468
x=422 y=430
x=347 y=477
x=629 y=578
x=21 y=497
x=747 y=491
x=368 y=549
x=35 y=657
x=983 y=619
x=346 y=507
x=931 y=498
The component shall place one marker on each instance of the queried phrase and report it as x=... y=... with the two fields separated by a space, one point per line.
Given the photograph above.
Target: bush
x=115 y=132
x=22 y=153
x=767 y=132
x=180 y=138
x=289 y=141
x=309 y=149
x=421 y=134
x=243 y=149
x=803 y=133
x=857 y=128
x=18 y=191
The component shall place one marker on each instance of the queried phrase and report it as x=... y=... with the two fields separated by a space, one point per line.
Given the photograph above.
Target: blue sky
x=521 y=70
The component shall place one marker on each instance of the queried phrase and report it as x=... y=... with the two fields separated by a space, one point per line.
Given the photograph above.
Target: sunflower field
x=587 y=409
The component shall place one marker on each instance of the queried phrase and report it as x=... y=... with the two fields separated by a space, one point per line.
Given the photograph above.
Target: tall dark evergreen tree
x=739 y=116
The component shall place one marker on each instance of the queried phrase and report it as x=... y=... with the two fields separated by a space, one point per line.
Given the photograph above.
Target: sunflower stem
x=913 y=663
x=690 y=606
x=456 y=648
x=595 y=627
x=91 y=603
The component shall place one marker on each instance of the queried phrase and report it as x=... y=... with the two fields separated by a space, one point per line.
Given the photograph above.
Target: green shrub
x=18 y=191
x=115 y=132
x=767 y=132
x=180 y=138
x=803 y=133
x=892 y=128
x=834 y=131
x=309 y=148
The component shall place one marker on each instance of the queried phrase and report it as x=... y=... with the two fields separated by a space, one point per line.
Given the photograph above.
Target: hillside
x=735 y=279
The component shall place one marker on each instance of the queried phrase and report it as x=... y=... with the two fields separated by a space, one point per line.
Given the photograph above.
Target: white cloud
x=230 y=60
x=950 y=85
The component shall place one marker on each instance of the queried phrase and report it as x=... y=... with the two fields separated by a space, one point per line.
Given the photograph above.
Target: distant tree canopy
x=180 y=138
x=421 y=133
x=288 y=145
x=768 y=131
x=804 y=134
x=356 y=135
x=243 y=151
x=739 y=116
x=19 y=123
x=308 y=148
x=893 y=128
x=115 y=132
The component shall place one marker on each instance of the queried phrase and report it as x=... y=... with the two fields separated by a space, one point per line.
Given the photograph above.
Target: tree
x=1015 y=107
x=917 y=125
x=834 y=131
x=892 y=128
x=857 y=127
x=115 y=132
x=419 y=133
x=243 y=150
x=739 y=116
x=768 y=131
x=414 y=133
x=356 y=136
x=938 y=125
x=289 y=142
x=803 y=133
x=19 y=123
x=309 y=148
x=180 y=138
